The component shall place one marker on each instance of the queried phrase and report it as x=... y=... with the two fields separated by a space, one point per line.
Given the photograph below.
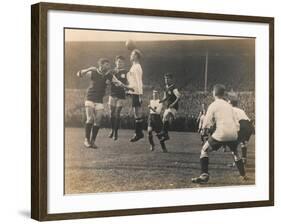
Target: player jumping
x=117 y=96
x=134 y=77
x=154 y=121
x=221 y=114
x=172 y=97
x=94 y=98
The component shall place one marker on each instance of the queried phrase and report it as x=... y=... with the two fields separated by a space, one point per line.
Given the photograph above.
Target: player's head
x=169 y=79
x=218 y=91
x=234 y=102
x=135 y=55
x=155 y=94
x=119 y=61
x=104 y=64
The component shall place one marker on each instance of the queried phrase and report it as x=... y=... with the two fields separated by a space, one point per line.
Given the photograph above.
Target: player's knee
x=149 y=130
x=205 y=150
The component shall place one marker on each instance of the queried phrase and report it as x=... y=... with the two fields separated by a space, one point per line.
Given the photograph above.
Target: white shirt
x=240 y=114
x=221 y=113
x=134 y=77
x=156 y=106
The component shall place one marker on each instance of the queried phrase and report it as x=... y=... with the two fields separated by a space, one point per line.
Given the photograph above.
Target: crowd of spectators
x=189 y=109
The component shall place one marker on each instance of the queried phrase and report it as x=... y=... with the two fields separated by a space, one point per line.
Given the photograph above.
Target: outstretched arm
x=86 y=72
x=117 y=82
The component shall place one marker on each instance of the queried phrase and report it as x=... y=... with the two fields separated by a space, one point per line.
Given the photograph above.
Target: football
x=130 y=45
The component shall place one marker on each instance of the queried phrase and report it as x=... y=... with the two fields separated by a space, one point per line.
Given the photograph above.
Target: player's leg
x=210 y=145
x=244 y=150
x=117 y=121
x=112 y=106
x=98 y=115
x=138 y=118
x=150 y=138
x=88 y=125
x=158 y=128
x=237 y=159
x=167 y=120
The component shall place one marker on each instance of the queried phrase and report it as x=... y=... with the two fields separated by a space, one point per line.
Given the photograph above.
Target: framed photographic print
x=138 y=111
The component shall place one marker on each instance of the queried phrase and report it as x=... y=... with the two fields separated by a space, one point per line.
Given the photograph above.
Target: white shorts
x=115 y=101
x=172 y=111
x=95 y=106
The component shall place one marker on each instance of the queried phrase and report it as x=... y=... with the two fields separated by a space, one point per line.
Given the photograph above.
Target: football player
x=154 y=121
x=220 y=114
x=134 y=78
x=94 y=98
x=172 y=97
x=245 y=128
x=200 y=126
x=117 y=96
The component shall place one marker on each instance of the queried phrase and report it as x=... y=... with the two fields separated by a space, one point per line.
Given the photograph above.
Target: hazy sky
x=94 y=35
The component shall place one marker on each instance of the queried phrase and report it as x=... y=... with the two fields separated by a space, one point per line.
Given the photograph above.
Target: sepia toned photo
x=157 y=111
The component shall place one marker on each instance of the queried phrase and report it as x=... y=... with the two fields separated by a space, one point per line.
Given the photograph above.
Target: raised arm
x=86 y=72
x=117 y=82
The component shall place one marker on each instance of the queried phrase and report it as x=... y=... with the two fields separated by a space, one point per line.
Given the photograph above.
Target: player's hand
x=78 y=74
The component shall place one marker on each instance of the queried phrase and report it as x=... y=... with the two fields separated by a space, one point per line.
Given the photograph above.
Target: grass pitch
x=123 y=166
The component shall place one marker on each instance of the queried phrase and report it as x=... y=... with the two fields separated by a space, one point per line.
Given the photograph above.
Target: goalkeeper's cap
x=154 y=91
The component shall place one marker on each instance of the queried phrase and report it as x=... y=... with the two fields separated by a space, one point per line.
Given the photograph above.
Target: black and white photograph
x=148 y=111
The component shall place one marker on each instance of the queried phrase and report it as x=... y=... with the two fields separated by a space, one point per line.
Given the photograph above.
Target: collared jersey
x=221 y=114
x=117 y=91
x=134 y=77
x=96 y=90
x=156 y=106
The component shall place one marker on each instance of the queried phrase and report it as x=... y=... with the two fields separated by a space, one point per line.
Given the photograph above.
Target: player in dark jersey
x=172 y=97
x=245 y=127
x=117 y=96
x=94 y=97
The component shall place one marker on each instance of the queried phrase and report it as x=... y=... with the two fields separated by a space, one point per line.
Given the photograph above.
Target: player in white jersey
x=134 y=78
x=220 y=114
x=245 y=128
x=200 y=126
x=154 y=121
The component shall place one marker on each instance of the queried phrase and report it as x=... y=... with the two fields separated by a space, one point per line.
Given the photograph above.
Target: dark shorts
x=155 y=122
x=246 y=130
x=136 y=102
x=215 y=145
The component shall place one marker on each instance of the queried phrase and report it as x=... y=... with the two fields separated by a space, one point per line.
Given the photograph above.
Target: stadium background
x=230 y=62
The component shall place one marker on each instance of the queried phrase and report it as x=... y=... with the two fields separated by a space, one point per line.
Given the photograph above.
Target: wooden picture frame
x=39 y=108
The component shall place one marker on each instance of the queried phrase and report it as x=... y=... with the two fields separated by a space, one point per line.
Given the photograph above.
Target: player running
x=94 y=98
x=117 y=96
x=245 y=128
x=154 y=121
x=134 y=78
x=172 y=97
x=220 y=114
